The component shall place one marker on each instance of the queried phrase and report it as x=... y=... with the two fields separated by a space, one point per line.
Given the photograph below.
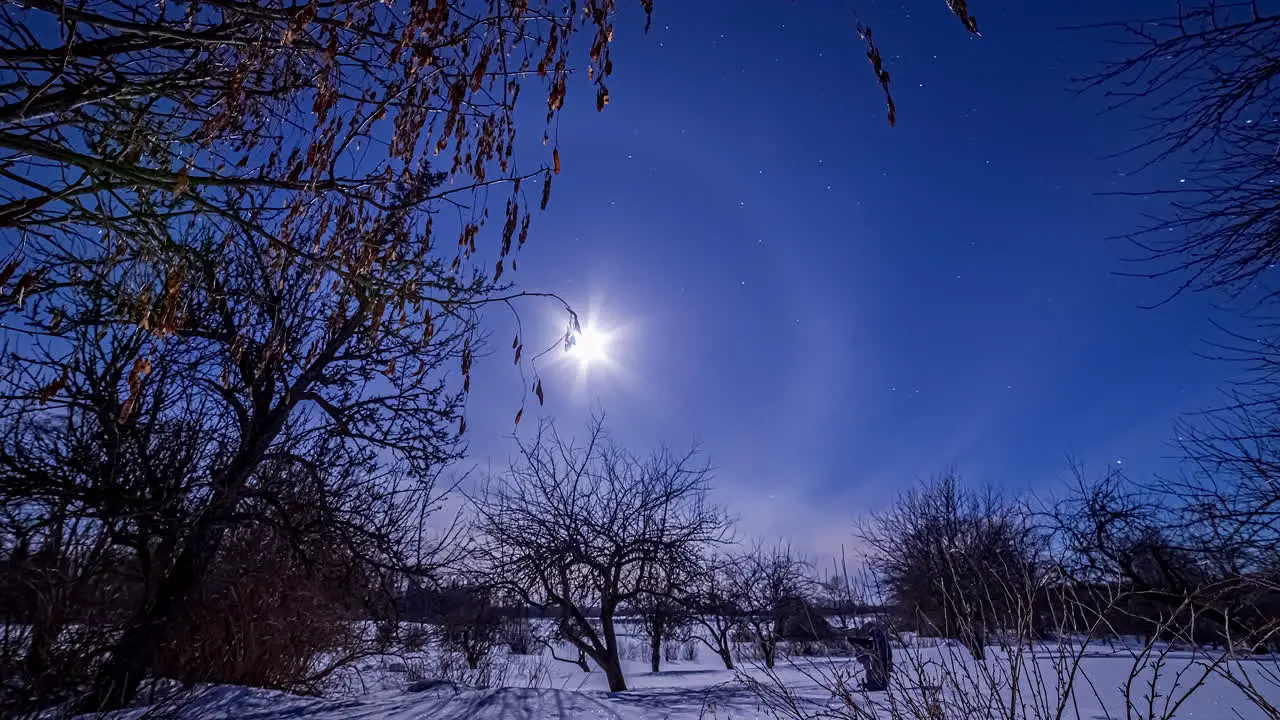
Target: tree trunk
x=613 y=671
x=131 y=658
x=656 y=630
x=726 y=656
x=610 y=662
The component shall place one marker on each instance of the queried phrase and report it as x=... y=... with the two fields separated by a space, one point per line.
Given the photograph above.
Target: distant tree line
x=1105 y=559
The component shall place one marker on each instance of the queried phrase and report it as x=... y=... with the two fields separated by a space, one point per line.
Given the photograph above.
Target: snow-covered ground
x=1105 y=682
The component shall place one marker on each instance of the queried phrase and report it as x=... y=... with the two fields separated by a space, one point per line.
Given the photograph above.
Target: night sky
x=833 y=308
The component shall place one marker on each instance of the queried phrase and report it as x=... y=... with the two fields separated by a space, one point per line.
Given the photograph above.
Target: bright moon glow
x=590 y=346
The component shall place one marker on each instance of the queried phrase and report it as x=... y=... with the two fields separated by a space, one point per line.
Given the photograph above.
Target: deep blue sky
x=834 y=308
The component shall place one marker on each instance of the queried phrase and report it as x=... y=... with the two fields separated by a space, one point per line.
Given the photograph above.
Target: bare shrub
x=415 y=637
x=58 y=578
x=689 y=651
x=810 y=648
x=271 y=614
x=631 y=649
x=469 y=622
x=958 y=562
x=685 y=649
x=516 y=633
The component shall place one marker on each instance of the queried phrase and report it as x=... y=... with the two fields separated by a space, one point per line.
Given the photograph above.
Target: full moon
x=590 y=346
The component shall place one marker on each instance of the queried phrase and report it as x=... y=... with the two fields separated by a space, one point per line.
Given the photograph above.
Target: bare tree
x=716 y=602
x=956 y=561
x=258 y=363
x=584 y=528
x=247 y=113
x=664 y=616
x=769 y=580
x=1111 y=529
x=1151 y=558
x=1205 y=78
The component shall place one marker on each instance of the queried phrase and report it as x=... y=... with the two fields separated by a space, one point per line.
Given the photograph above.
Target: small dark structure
x=796 y=620
x=875 y=654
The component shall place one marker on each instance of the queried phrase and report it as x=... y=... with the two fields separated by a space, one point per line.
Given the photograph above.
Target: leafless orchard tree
x=585 y=527
x=716 y=602
x=956 y=561
x=663 y=611
x=768 y=580
x=256 y=359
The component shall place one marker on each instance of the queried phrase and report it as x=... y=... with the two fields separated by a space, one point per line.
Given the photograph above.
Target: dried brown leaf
x=960 y=8
x=48 y=391
x=882 y=75
x=26 y=284
x=141 y=368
